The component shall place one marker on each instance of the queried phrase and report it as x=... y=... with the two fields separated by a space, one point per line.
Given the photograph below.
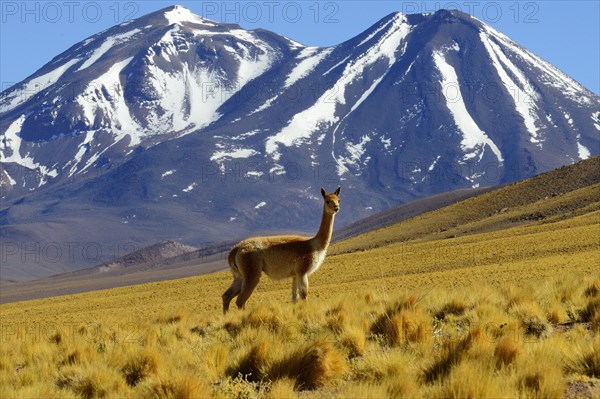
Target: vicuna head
x=332 y=201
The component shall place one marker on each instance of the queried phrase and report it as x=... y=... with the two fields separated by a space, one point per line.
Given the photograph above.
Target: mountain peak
x=181 y=15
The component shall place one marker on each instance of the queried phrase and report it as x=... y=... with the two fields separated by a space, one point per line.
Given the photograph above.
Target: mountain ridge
x=238 y=129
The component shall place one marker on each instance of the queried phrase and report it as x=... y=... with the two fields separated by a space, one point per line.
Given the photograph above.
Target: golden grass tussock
x=473 y=380
x=403 y=323
x=585 y=359
x=88 y=382
x=354 y=341
x=187 y=386
x=254 y=366
x=139 y=366
x=378 y=366
x=451 y=355
x=317 y=365
x=456 y=307
x=282 y=388
x=506 y=350
x=542 y=381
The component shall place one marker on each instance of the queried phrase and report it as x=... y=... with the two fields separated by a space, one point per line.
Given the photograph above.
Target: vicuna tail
x=231 y=261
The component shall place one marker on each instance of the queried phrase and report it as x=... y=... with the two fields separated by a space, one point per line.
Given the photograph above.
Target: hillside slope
x=569 y=192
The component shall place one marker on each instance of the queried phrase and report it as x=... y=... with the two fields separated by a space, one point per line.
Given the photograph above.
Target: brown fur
x=280 y=257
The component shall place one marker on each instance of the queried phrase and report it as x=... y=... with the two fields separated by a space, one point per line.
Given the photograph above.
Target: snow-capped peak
x=180 y=15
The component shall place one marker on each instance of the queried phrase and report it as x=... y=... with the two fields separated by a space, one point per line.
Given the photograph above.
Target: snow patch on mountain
x=310 y=57
x=181 y=15
x=355 y=153
x=551 y=75
x=596 y=119
x=189 y=98
x=108 y=44
x=375 y=32
x=34 y=86
x=167 y=173
x=322 y=114
x=264 y=106
x=583 y=151
x=189 y=188
x=83 y=148
x=474 y=139
x=12 y=142
x=104 y=97
x=523 y=94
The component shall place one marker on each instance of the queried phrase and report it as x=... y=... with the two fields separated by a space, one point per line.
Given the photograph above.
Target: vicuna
x=280 y=257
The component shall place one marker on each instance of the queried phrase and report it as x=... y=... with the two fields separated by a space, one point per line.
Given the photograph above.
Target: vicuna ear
x=337 y=192
x=323 y=193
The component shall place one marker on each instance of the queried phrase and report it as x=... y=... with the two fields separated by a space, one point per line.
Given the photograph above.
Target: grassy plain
x=478 y=299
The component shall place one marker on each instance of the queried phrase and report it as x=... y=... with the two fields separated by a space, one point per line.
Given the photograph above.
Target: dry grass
x=365 y=344
x=512 y=312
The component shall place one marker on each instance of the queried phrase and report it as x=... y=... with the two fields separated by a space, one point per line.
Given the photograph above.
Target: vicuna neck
x=323 y=237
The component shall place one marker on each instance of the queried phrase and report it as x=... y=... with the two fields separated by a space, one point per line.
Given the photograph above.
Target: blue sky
x=565 y=33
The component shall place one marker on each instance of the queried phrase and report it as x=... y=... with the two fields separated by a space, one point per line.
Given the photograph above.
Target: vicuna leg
x=232 y=292
x=303 y=285
x=248 y=287
x=294 y=289
x=251 y=270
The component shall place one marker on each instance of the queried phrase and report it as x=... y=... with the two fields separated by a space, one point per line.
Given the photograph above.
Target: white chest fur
x=317 y=260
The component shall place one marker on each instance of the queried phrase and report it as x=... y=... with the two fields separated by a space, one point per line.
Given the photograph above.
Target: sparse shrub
x=536 y=327
x=407 y=327
x=406 y=302
x=239 y=388
x=337 y=323
x=595 y=323
x=171 y=318
x=198 y=330
x=531 y=319
x=139 y=366
x=363 y=390
x=72 y=358
x=380 y=366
